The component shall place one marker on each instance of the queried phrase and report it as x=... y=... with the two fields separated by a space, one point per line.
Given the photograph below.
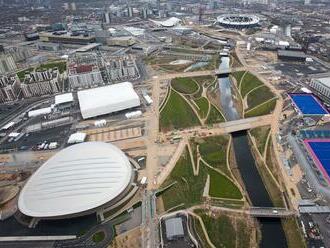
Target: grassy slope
x=203 y=105
x=248 y=83
x=184 y=85
x=263 y=109
x=214 y=116
x=260 y=134
x=177 y=114
x=259 y=96
x=213 y=151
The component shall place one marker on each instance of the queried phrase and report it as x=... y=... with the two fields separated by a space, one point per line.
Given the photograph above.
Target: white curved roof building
x=77 y=180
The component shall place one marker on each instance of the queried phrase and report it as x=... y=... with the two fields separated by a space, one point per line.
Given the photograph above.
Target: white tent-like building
x=107 y=99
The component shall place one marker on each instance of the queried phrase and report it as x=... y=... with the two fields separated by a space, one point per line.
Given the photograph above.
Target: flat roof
x=79 y=178
x=174 y=227
x=320 y=151
x=63 y=98
x=325 y=81
x=107 y=99
x=290 y=53
x=308 y=104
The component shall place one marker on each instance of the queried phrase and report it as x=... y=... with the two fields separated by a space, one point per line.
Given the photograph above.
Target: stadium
x=238 y=21
x=86 y=178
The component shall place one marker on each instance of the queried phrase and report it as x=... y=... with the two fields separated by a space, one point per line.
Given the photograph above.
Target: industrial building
x=322 y=87
x=289 y=55
x=64 y=101
x=79 y=180
x=107 y=99
x=174 y=228
x=66 y=38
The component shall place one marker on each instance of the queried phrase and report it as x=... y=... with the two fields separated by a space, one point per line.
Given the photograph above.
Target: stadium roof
x=171 y=22
x=107 y=99
x=79 y=178
x=325 y=81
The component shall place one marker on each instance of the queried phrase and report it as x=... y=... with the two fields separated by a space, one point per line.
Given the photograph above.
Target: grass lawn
x=238 y=76
x=248 y=83
x=221 y=230
x=204 y=79
x=188 y=189
x=184 y=85
x=260 y=134
x=292 y=232
x=177 y=114
x=199 y=231
x=214 y=116
x=203 y=105
x=263 y=109
x=213 y=151
x=222 y=187
x=61 y=65
x=21 y=74
x=259 y=96
x=98 y=237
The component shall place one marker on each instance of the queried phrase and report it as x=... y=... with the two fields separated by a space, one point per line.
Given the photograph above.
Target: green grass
x=98 y=237
x=184 y=85
x=203 y=105
x=213 y=151
x=61 y=65
x=177 y=113
x=221 y=231
x=222 y=187
x=248 y=83
x=204 y=79
x=238 y=76
x=188 y=189
x=260 y=134
x=293 y=234
x=21 y=74
x=259 y=96
x=214 y=116
x=199 y=230
x=263 y=109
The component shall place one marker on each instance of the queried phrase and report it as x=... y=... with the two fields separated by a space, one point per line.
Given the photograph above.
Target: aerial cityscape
x=164 y=123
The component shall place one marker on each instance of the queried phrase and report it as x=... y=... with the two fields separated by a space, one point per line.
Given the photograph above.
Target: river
x=271 y=228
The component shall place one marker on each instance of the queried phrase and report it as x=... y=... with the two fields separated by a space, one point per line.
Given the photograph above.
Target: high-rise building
x=9 y=88
x=40 y=83
x=84 y=76
x=107 y=17
x=307 y=2
x=7 y=63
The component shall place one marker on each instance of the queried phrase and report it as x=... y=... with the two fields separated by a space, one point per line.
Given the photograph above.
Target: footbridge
x=228 y=71
x=266 y=212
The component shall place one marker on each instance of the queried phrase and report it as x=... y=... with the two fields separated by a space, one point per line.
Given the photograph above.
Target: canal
x=271 y=228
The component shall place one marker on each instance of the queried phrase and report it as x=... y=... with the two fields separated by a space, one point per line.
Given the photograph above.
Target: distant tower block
x=73 y=6
x=307 y=2
x=107 y=17
x=130 y=11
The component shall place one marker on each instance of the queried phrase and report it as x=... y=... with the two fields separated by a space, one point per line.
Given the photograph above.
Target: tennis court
x=308 y=104
x=320 y=151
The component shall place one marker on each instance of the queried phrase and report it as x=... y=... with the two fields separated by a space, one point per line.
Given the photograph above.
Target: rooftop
x=77 y=179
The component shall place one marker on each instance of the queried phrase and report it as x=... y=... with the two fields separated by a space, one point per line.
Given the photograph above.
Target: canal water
x=271 y=229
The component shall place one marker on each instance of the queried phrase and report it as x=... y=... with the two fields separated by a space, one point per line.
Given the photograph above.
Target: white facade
x=107 y=99
x=7 y=64
x=321 y=86
x=75 y=181
x=63 y=98
x=85 y=80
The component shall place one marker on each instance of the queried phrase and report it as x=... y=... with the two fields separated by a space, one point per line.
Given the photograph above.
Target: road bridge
x=266 y=212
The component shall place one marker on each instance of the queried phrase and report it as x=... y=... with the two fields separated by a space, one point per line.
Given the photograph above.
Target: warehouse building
x=289 y=55
x=79 y=180
x=107 y=99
